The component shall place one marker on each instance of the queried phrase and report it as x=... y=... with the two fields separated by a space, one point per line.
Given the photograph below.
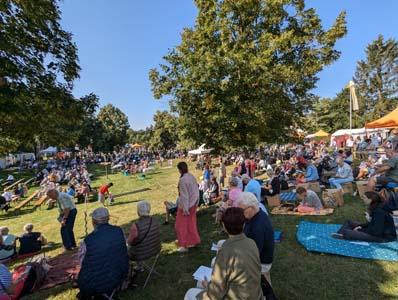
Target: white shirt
x=7 y=196
x=350 y=143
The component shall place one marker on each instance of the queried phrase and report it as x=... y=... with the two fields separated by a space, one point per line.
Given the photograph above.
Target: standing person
x=222 y=173
x=188 y=198
x=104 y=190
x=206 y=176
x=67 y=216
x=350 y=143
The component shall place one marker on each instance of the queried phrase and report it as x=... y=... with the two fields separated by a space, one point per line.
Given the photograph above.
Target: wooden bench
x=40 y=201
x=29 y=180
x=12 y=185
x=27 y=200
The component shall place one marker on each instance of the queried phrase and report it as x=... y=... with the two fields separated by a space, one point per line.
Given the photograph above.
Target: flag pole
x=350 y=113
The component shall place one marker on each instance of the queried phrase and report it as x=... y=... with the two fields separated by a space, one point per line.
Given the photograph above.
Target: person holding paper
x=237 y=269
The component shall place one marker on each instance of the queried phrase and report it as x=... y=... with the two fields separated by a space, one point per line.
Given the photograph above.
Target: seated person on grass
x=389 y=169
x=237 y=269
x=8 y=251
x=311 y=172
x=310 y=201
x=30 y=242
x=144 y=236
x=344 y=174
x=212 y=193
x=231 y=198
x=171 y=209
x=274 y=186
x=379 y=229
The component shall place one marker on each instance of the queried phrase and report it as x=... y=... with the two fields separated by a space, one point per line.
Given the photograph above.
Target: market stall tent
x=388 y=121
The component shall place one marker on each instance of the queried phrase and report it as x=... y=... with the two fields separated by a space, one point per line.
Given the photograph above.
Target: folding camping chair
x=151 y=269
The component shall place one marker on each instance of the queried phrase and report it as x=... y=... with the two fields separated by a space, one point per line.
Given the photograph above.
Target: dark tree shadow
x=131 y=192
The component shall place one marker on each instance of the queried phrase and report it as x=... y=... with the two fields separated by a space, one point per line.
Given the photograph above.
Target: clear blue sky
x=120 y=41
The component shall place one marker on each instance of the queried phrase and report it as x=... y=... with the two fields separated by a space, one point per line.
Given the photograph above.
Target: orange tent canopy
x=388 y=121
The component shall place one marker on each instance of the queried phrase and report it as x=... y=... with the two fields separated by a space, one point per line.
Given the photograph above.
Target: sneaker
x=182 y=250
x=337 y=236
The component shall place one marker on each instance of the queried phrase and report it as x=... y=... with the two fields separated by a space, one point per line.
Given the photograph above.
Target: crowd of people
x=243 y=263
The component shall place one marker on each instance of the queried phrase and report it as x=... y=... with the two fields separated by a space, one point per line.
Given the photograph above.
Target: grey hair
x=143 y=208
x=3 y=230
x=248 y=199
x=28 y=227
x=233 y=181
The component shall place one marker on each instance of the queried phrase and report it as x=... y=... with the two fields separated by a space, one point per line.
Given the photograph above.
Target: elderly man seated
x=344 y=175
x=258 y=227
x=104 y=258
x=144 y=237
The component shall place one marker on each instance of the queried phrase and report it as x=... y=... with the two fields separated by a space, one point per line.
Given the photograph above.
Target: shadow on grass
x=131 y=193
x=17 y=213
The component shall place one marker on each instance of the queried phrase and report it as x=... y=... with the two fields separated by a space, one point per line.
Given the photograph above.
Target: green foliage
x=165 y=131
x=142 y=136
x=115 y=125
x=243 y=73
x=38 y=63
x=377 y=79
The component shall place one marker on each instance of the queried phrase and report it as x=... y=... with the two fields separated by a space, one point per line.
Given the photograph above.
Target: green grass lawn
x=296 y=274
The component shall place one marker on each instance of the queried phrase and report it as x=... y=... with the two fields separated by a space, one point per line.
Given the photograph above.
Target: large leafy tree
x=38 y=63
x=243 y=73
x=165 y=131
x=115 y=125
x=377 y=78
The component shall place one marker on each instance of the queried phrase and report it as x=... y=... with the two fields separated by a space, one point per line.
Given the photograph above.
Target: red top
x=104 y=189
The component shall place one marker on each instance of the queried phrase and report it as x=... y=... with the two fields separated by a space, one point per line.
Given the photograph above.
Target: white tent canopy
x=49 y=150
x=358 y=132
x=200 y=150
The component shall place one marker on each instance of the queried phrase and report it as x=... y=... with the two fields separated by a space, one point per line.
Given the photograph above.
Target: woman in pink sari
x=188 y=198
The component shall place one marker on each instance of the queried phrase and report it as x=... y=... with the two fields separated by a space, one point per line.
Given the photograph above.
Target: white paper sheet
x=202 y=272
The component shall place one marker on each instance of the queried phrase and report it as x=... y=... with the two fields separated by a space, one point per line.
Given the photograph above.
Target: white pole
x=350 y=114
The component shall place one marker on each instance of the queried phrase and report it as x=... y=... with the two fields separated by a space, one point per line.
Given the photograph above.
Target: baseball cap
x=100 y=214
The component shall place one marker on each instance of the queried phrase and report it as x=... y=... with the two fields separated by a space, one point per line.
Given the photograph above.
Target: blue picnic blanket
x=288 y=196
x=317 y=238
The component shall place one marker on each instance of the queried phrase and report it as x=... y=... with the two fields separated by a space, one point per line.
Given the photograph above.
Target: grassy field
x=296 y=274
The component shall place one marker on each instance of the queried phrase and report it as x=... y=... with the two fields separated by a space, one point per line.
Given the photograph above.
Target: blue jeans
x=337 y=182
x=67 y=235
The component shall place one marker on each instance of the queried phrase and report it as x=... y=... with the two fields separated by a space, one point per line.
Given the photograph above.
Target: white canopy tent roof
x=49 y=150
x=357 y=131
x=200 y=150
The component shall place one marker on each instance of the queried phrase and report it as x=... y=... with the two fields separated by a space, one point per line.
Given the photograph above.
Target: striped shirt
x=5 y=279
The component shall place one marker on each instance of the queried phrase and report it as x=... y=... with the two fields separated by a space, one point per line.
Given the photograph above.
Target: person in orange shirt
x=104 y=190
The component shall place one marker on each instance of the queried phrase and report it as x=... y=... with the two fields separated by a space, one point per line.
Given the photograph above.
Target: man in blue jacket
x=105 y=261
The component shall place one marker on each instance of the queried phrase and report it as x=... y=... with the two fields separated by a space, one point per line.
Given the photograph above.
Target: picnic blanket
x=288 y=196
x=63 y=268
x=316 y=237
x=284 y=211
